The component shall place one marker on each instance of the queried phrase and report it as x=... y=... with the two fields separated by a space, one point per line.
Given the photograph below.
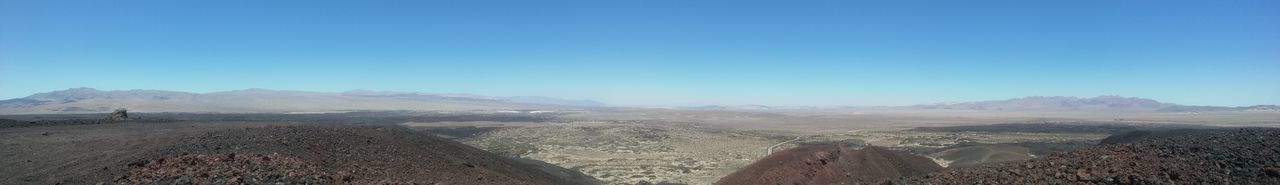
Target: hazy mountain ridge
x=728 y=107
x=1058 y=103
x=1100 y=103
x=462 y=96
x=1188 y=108
x=756 y=107
x=88 y=100
x=553 y=101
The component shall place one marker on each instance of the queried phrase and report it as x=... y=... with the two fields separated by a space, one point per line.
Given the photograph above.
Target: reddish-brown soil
x=830 y=164
x=1239 y=156
x=329 y=154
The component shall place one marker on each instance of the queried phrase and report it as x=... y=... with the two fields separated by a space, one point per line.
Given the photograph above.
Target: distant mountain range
x=753 y=107
x=1100 y=103
x=1185 y=108
x=88 y=100
x=1057 y=103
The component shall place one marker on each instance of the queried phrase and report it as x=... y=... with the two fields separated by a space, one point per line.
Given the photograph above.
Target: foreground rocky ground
x=333 y=154
x=318 y=149
x=231 y=169
x=1219 y=156
x=88 y=154
x=255 y=153
x=830 y=164
x=1237 y=156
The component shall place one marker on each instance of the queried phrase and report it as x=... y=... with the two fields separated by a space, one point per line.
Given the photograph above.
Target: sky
x=656 y=52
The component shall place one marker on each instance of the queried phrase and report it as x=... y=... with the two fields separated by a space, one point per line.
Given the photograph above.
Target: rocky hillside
x=88 y=100
x=830 y=164
x=1238 y=156
x=332 y=154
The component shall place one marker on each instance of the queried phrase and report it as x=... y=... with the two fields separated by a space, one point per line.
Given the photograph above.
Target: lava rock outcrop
x=831 y=164
x=1237 y=156
x=330 y=154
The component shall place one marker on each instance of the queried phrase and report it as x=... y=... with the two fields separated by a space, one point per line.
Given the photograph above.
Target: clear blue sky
x=652 y=52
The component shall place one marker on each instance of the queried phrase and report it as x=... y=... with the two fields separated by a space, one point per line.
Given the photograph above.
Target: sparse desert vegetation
x=608 y=146
x=627 y=152
x=639 y=92
x=700 y=150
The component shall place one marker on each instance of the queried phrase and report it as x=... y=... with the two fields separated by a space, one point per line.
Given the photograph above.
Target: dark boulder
x=118 y=115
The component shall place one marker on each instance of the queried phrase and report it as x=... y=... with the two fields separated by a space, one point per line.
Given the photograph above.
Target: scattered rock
x=329 y=154
x=1273 y=172
x=118 y=115
x=1235 y=156
x=831 y=164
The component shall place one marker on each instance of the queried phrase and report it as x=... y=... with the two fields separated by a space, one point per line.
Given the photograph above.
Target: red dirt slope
x=830 y=164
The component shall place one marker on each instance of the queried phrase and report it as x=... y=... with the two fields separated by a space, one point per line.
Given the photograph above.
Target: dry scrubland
x=628 y=152
x=699 y=147
x=840 y=120
x=626 y=146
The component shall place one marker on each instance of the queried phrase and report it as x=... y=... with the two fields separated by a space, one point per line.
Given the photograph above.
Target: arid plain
x=64 y=137
x=700 y=146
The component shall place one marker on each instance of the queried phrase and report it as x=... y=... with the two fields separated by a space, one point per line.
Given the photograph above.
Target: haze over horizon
x=80 y=90
x=656 y=52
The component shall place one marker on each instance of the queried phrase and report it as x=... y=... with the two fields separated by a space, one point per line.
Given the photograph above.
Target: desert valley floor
x=585 y=147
